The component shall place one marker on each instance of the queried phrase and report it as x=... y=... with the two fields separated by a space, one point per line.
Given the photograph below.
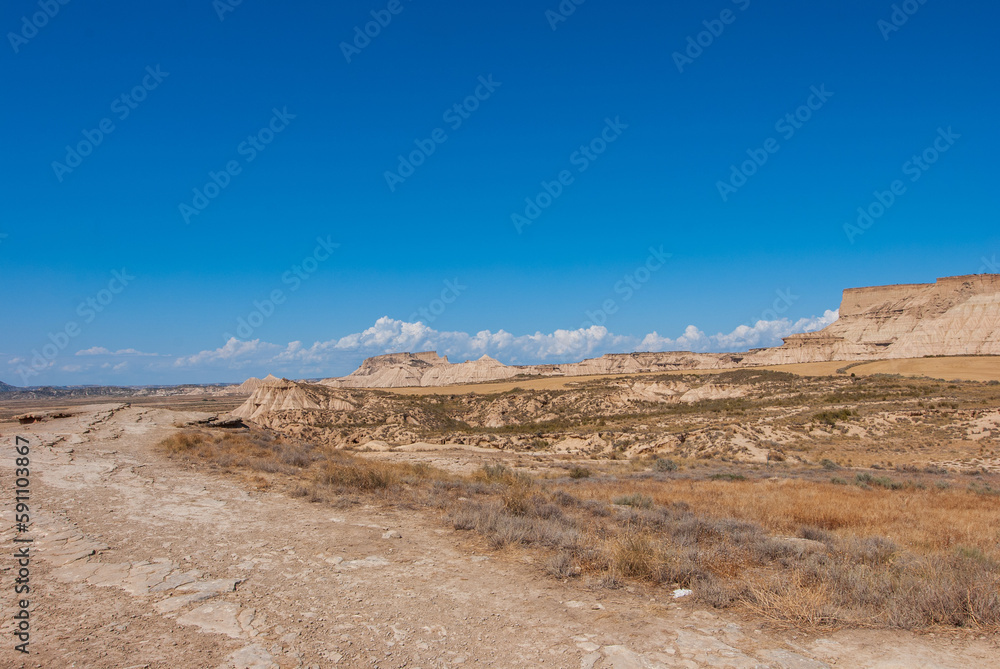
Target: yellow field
x=972 y=368
x=966 y=368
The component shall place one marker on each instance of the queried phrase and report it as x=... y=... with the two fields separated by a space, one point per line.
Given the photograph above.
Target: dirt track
x=142 y=562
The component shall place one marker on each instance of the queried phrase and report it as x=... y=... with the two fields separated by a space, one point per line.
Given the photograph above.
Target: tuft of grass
x=563 y=565
x=727 y=476
x=636 y=500
x=580 y=473
x=366 y=476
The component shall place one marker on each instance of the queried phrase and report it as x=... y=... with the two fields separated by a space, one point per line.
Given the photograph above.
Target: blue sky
x=265 y=99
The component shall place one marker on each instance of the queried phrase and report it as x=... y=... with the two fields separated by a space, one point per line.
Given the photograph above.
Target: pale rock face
x=251 y=384
x=399 y=370
x=282 y=395
x=955 y=316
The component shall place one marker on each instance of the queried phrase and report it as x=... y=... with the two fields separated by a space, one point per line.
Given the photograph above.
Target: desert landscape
x=831 y=502
x=382 y=334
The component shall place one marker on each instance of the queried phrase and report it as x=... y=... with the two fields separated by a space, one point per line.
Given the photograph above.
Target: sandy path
x=143 y=562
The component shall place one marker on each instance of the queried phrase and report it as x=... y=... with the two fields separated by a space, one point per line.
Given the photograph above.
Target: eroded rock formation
x=955 y=316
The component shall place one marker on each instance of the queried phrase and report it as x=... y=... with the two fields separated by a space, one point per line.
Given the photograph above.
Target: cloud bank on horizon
x=237 y=359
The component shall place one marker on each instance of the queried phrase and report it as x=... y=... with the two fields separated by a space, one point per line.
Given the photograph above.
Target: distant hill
x=251 y=384
x=956 y=316
x=7 y=388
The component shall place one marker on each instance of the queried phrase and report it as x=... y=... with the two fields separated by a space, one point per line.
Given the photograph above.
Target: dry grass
x=326 y=471
x=907 y=556
x=924 y=520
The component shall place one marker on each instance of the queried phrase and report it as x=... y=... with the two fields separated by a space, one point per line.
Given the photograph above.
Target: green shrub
x=665 y=465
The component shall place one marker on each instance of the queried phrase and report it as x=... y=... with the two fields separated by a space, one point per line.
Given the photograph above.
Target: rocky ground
x=144 y=562
x=751 y=416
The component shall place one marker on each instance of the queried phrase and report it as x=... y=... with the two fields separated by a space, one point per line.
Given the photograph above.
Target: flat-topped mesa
x=957 y=315
x=392 y=370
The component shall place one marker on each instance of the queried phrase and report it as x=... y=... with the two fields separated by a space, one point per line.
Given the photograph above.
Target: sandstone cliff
x=954 y=316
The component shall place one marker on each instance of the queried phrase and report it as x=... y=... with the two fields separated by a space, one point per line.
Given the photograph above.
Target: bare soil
x=143 y=561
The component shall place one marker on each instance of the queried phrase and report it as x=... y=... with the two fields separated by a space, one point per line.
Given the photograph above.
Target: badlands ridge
x=954 y=316
x=625 y=413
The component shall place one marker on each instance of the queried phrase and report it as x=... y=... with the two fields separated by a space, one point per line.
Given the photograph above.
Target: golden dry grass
x=971 y=368
x=925 y=521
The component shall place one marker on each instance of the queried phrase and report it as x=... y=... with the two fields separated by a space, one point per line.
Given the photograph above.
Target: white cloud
x=100 y=350
x=762 y=334
x=235 y=352
x=387 y=335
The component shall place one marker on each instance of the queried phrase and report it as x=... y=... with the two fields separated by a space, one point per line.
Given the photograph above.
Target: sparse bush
x=579 y=473
x=495 y=472
x=665 y=465
x=983 y=489
x=831 y=417
x=829 y=464
x=864 y=478
x=636 y=500
x=562 y=565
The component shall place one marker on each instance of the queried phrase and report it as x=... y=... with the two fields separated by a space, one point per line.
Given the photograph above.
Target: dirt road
x=140 y=561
